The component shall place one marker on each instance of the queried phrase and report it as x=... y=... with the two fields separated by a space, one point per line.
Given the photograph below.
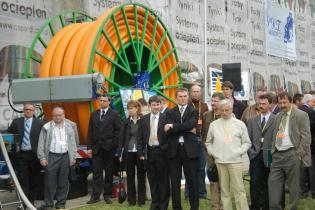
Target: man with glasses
x=27 y=130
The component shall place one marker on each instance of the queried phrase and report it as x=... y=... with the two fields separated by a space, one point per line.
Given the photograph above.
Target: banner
x=186 y=25
x=280 y=32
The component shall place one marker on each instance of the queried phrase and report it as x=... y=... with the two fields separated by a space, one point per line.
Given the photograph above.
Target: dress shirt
x=101 y=112
x=181 y=138
x=59 y=142
x=153 y=141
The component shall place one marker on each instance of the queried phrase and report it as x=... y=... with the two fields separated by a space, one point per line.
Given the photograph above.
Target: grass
x=305 y=204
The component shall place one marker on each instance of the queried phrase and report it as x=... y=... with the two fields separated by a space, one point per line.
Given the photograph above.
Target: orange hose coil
x=69 y=52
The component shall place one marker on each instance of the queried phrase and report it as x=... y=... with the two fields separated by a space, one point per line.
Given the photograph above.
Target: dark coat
x=103 y=135
x=17 y=127
x=144 y=133
x=311 y=115
x=189 y=121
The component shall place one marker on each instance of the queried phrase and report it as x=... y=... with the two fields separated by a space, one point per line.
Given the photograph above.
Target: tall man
x=27 y=130
x=201 y=107
x=260 y=131
x=307 y=181
x=102 y=140
x=291 y=148
x=183 y=149
x=152 y=140
x=207 y=119
x=57 y=150
x=238 y=107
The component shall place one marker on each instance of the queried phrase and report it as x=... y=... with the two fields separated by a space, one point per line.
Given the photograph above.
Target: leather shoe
x=60 y=207
x=108 y=200
x=92 y=200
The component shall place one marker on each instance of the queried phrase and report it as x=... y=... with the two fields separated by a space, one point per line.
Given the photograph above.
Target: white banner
x=186 y=23
x=280 y=32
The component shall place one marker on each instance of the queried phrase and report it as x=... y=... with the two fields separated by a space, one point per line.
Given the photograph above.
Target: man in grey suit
x=56 y=151
x=260 y=131
x=290 y=149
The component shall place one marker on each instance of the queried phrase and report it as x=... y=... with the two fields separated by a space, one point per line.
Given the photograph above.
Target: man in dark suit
x=290 y=149
x=307 y=177
x=183 y=149
x=152 y=140
x=27 y=130
x=102 y=140
x=260 y=131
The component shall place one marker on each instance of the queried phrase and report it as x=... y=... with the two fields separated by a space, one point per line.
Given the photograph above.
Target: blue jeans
x=201 y=171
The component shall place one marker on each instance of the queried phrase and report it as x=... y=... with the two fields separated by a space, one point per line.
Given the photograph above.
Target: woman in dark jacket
x=128 y=142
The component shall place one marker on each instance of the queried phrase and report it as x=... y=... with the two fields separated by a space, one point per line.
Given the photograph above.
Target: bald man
x=56 y=151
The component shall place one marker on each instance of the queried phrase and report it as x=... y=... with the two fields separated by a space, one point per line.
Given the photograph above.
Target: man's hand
x=167 y=127
x=193 y=131
x=72 y=162
x=89 y=152
x=44 y=162
x=141 y=158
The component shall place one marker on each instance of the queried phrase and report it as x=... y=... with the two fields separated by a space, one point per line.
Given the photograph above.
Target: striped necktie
x=26 y=136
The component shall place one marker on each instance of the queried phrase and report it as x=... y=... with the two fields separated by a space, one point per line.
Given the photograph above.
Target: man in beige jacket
x=228 y=142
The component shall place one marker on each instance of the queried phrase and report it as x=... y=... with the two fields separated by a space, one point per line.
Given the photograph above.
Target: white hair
x=225 y=102
x=307 y=98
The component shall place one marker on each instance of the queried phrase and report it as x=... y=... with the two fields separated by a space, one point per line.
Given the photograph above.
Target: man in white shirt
x=56 y=152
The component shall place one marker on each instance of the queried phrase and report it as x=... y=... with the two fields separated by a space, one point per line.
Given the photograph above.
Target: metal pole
x=13 y=175
x=205 y=73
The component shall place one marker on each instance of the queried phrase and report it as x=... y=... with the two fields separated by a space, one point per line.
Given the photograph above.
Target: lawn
x=305 y=204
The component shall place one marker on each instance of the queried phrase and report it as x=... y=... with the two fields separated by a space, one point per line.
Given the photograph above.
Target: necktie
x=26 y=136
x=263 y=123
x=181 y=111
x=153 y=132
x=280 y=134
x=103 y=115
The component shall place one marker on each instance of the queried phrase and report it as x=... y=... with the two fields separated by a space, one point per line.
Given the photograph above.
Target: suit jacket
x=144 y=133
x=238 y=108
x=17 y=127
x=103 y=135
x=182 y=128
x=311 y=115
x=299 y=132
x=124 y=135
x=45 y=139
x=255 y=134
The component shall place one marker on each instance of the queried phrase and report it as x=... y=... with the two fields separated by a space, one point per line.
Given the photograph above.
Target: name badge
x=280 y=135
x=227 y=139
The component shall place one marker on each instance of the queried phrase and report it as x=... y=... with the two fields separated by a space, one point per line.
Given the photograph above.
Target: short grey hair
x=307 y=98
x=225 y=102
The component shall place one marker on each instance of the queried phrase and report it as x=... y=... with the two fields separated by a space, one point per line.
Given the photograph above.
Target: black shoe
x=61 y=207
x=313 y=195
x=92 y=200
x=108 y=200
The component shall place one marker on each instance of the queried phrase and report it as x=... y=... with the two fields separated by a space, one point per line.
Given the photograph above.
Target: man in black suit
x=260 y=131
x=307 y=174
x=152 y=140
x=102 y=140
x=183 y=149
x=27 y=130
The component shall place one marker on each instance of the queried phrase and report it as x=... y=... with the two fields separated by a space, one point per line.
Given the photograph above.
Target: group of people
x=271 y=139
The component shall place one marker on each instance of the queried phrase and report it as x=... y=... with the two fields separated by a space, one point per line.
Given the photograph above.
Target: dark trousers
x=259 y=183
x=133 y=162
x=56 y=179
x=158 y=178
x=201 y=172
x=285 y=168
x=191 y=174
x=100 y=161
x=29 y=174
x=307 y=179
